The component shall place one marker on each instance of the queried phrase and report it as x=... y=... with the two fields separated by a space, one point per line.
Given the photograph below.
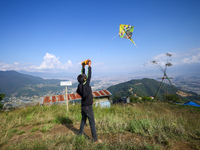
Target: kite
x=126 y=31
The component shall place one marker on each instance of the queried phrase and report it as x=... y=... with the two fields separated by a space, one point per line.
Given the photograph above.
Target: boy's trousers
x=87 y=112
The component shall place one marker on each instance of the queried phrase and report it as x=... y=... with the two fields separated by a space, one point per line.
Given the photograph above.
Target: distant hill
x=18 y=84
x=147 y=87
x=11 y=81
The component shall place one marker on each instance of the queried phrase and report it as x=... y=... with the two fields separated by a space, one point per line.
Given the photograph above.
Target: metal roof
x=72 y=96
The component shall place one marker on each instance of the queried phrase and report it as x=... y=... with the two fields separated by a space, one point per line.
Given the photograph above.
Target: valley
x=32 y=88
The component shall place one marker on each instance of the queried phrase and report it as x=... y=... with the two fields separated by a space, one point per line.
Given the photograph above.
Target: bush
x=142 y=126
x=134 y=99
x=172 y=97
x=146 y=98
x=1 y=106
x=1 y=96
x=116 y=97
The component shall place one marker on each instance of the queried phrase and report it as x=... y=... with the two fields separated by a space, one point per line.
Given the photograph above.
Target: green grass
x=46 y=128
x=161 y=123
x=21 y=132
x=34 y=129
x=76 y=143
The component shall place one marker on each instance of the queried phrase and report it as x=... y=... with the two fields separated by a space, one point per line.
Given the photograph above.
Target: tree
x=116 y=97
x=1 y=95
x=134 y=99
x=1 y=98
x=173 y=97
x=146 y=98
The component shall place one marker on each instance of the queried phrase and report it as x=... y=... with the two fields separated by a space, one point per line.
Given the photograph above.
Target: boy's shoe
x=79 y=133
x=98 y=141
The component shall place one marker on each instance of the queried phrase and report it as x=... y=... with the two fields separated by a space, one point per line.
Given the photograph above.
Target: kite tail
x=133 y=42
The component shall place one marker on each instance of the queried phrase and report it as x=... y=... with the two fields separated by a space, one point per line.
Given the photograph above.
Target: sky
x=54 y=36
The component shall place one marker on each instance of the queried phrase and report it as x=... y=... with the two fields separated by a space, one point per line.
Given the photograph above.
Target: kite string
x=108 y=43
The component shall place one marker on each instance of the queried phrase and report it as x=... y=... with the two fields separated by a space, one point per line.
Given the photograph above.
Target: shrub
x=142 y=126
x=1 y=105
x=116 y=97
x=62 y=120
x=134 y=99
x=172 y=97
x=146 y=98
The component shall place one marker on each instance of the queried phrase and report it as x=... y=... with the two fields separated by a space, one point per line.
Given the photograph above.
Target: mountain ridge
x=147 y=87
x=11 y=81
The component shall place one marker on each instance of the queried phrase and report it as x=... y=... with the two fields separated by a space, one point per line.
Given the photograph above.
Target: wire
x=108 y=43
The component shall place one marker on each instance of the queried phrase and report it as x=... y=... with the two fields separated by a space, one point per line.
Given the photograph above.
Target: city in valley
x=31 y=94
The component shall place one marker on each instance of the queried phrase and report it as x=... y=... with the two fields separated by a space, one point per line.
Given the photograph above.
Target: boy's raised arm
x=83 y=69
x=89 y=71
x=89 y=62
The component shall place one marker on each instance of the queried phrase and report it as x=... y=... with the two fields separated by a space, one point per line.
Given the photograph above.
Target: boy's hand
x=89 y=62
x=83 y=64
x=86 y=62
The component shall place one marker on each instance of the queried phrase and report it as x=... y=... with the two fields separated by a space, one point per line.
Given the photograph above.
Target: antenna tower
x=168 y=64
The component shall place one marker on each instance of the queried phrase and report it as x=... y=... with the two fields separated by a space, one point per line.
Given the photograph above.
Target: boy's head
x=81 y=78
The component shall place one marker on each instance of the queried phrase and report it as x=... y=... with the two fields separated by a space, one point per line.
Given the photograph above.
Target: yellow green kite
x=126 y=31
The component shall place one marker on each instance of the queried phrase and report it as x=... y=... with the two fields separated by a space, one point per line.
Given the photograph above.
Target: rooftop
x=72 y=96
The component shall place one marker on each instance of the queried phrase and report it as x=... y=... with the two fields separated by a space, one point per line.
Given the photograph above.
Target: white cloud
x=14 y=66
x=16 y=63
x=162 y=59
x=180 y=55
x=194 y=59
x=195 y=49
x=178 y=58
x=50 y=62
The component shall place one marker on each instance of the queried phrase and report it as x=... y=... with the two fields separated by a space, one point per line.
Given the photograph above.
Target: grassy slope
x=120 y=127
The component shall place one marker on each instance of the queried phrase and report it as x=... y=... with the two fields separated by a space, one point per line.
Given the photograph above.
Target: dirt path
x=108 y=138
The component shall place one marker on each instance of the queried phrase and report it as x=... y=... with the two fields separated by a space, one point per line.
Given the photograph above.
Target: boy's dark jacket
x=84 y=89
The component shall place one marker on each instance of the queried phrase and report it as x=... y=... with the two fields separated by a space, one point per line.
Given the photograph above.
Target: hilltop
x=12 y=81
x=148 y=87
x=166 y=126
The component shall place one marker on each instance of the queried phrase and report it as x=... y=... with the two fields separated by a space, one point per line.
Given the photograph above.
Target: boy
x=85 y=91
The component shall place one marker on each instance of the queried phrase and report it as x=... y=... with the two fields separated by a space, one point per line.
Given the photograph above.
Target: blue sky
x=55 y=36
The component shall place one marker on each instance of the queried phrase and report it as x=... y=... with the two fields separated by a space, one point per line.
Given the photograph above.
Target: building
x=73 y=97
